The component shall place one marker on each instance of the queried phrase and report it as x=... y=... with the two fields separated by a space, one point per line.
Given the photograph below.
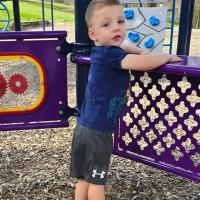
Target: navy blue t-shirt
x=106 y=89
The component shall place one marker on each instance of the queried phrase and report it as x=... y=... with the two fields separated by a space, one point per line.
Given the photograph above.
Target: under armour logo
x=101 y=175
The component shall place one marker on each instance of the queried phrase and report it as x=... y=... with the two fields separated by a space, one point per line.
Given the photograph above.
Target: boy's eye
x=121 y=21
x=106 y=25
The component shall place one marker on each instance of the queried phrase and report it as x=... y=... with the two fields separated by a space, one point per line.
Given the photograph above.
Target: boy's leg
x=96 y=192
x=81 y=191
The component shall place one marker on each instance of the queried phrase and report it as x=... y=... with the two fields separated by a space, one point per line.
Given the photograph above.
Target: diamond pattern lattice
x=160 y=125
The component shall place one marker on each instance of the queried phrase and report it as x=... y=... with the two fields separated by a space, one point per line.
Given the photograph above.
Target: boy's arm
x=133 y=50
x=147 y=62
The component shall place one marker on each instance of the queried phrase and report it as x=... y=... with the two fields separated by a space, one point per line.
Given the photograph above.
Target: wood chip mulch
x=34 y=164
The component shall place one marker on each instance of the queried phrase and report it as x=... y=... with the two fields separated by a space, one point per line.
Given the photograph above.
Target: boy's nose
x=116 y=27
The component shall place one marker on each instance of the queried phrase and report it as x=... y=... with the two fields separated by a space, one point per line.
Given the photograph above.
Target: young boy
x=105 y=96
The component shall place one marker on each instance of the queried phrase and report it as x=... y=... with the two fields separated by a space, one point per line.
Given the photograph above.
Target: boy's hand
x=173 y=58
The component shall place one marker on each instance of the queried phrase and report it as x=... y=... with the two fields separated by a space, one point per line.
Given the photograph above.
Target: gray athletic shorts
x=90 y=156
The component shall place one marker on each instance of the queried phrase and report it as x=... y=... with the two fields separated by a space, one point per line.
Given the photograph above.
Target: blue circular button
x=154 y=21
x=134 y=37
x=129 y=14
x=149 y=43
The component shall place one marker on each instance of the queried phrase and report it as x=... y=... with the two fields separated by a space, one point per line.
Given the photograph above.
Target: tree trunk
x=198 y=18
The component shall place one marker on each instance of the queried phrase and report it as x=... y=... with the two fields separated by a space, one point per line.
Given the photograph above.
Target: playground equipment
x=33 y=80
x=185 y=27
x=160 y=125
x=43 y=15
x=4 y=22
x=16 y=13
x=146 y=26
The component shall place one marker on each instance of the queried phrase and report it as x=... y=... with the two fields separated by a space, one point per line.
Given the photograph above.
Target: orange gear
x=3 y=85
x=18 y=83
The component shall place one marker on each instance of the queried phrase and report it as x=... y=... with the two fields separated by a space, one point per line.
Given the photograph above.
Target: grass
x=31 y=11
x=57 y=6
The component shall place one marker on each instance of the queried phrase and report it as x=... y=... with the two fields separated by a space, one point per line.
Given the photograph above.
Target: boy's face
x=108 y=26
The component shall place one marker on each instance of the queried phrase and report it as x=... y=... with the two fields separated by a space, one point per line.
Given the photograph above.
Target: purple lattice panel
x=160 y=125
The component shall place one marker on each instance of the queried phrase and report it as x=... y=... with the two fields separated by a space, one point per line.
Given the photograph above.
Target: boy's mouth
x=116 y=37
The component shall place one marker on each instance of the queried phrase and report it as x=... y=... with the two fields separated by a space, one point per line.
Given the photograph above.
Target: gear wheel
x=3 y=85
x=18 y=83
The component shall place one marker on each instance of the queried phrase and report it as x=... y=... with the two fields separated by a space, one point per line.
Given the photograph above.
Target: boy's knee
x=96 y=192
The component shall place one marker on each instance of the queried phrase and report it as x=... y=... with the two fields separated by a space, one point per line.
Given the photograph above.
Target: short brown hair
x=97 y=4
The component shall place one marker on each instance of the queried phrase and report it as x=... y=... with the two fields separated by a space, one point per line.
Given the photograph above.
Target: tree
x=196 y=16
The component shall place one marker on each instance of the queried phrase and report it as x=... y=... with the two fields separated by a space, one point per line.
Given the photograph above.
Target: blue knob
x=149 y=43
x=129 y=14
x=154 y=21
x=134 y=37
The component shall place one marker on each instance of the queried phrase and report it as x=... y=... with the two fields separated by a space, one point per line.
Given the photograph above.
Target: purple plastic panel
x=161 y=124
x=42 y=46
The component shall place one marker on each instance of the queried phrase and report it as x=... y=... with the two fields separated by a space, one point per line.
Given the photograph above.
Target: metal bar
x=33 y=35
x=185 y=27
x=189 y=66
x=81 y=37
x=52 y=18
x=190 y=26
x=43 y=16
x=16 y=13
x=172 y=25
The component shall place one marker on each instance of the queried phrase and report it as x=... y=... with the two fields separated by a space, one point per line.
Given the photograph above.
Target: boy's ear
x=91 y=34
